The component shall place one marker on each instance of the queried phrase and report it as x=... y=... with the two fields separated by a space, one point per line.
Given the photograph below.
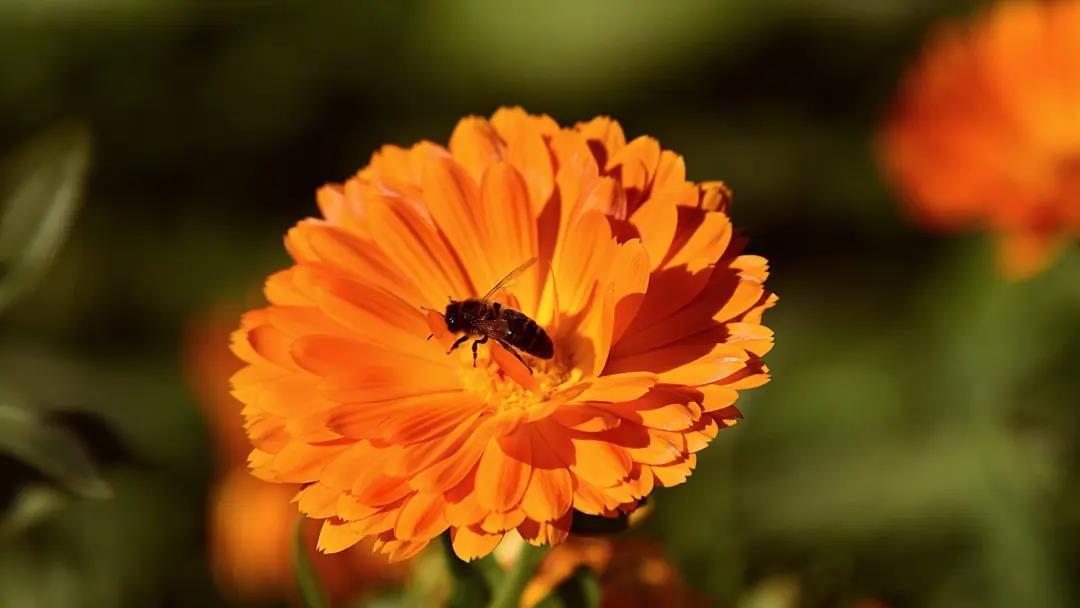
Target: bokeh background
x=916 y=447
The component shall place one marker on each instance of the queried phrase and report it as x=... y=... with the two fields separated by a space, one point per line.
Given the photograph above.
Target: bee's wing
x=495 y=328
x=509 y=278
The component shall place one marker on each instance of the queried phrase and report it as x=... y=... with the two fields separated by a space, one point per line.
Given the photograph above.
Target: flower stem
x=311 y=595
x=471 y=581
x=508 y=593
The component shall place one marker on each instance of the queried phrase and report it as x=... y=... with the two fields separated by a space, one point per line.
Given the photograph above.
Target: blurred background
x=916 y=447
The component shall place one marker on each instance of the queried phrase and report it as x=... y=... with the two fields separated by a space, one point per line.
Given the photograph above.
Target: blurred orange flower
x=987 y=130
x=251 y=522
x=654 y=314
x=632 y=572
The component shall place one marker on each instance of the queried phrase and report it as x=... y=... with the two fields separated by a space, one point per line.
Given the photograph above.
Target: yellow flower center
x=502 y=392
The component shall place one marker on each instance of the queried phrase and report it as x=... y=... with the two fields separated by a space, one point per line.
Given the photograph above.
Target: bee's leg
x=458 y=343
x=513 y=351
x=430 y=336
x=474 y=345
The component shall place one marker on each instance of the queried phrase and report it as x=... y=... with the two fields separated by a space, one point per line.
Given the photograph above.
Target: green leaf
x=42 y=184
x=33 y=504
x=508 y=592
x=311 y=595
x=579 y=591
x=50 y=449
x=472 y=580
x=391 y=598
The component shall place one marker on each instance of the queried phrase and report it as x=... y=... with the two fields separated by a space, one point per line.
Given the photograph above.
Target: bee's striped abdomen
x=522 y=332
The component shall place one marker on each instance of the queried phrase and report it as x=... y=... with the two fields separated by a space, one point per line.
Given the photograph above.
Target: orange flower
x=632 y=572
x=653 y=313
x=987 y=130
x=250 y=521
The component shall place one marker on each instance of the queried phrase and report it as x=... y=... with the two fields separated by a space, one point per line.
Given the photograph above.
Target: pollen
x=502 y=392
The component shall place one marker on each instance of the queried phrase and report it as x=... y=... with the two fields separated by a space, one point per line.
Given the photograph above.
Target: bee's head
x=453 y=316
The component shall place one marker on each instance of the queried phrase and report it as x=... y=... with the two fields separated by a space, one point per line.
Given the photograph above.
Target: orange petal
x=419 y=251
x=302 y=463
x=599 y=461
x=448 y=472
x=424 y=415
x=349 y=509
x=717 y=397
x=352 y=363
x=655 y=221
x=272 y=344
x=641 y=481
x=501 y=522
x=462 y=508
x=358 y=259
x=378 y=489
x=453 y=199
x=475 y=145
x=585 y=418
x=617 y=387
x=511 y=229
x=527 y=152
x=501 y=480
x=593 y=500
x=671 y=175
x=549 y=495
x=380 y=521
x=470 y=543
x=686 y=362
x=405 y=549
x=577 y=177
x=605 y=136
x=280 y=289
x=336 y=537
x=548 y=532
x=318 y=501
x=675 y=473
x=715 y=196
x=667 y=416
x=419 y=456
x=421 y=517
x=662 y=448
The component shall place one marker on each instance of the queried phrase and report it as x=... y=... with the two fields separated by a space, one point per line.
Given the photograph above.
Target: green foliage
x=44 y=181
x=471 y=582
x=482 y=582
x=508 y=591
x=51 y=450
x=917 y=444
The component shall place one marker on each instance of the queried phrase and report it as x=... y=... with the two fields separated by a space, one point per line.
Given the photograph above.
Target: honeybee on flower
x=652 y=310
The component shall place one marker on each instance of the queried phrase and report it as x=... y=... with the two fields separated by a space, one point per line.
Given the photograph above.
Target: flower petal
x=470 y=542
x=501 y=479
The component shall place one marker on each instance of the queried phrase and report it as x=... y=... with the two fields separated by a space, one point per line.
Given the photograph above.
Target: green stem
x=471 y=581
x=311 y=595
x=508 y=593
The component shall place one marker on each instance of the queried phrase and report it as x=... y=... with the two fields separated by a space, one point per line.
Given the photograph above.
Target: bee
x=485 y=320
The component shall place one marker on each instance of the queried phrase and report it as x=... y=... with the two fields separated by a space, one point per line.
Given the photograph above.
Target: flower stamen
x=492 y=383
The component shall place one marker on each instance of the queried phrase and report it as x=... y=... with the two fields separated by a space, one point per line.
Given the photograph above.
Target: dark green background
x=916 y=444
